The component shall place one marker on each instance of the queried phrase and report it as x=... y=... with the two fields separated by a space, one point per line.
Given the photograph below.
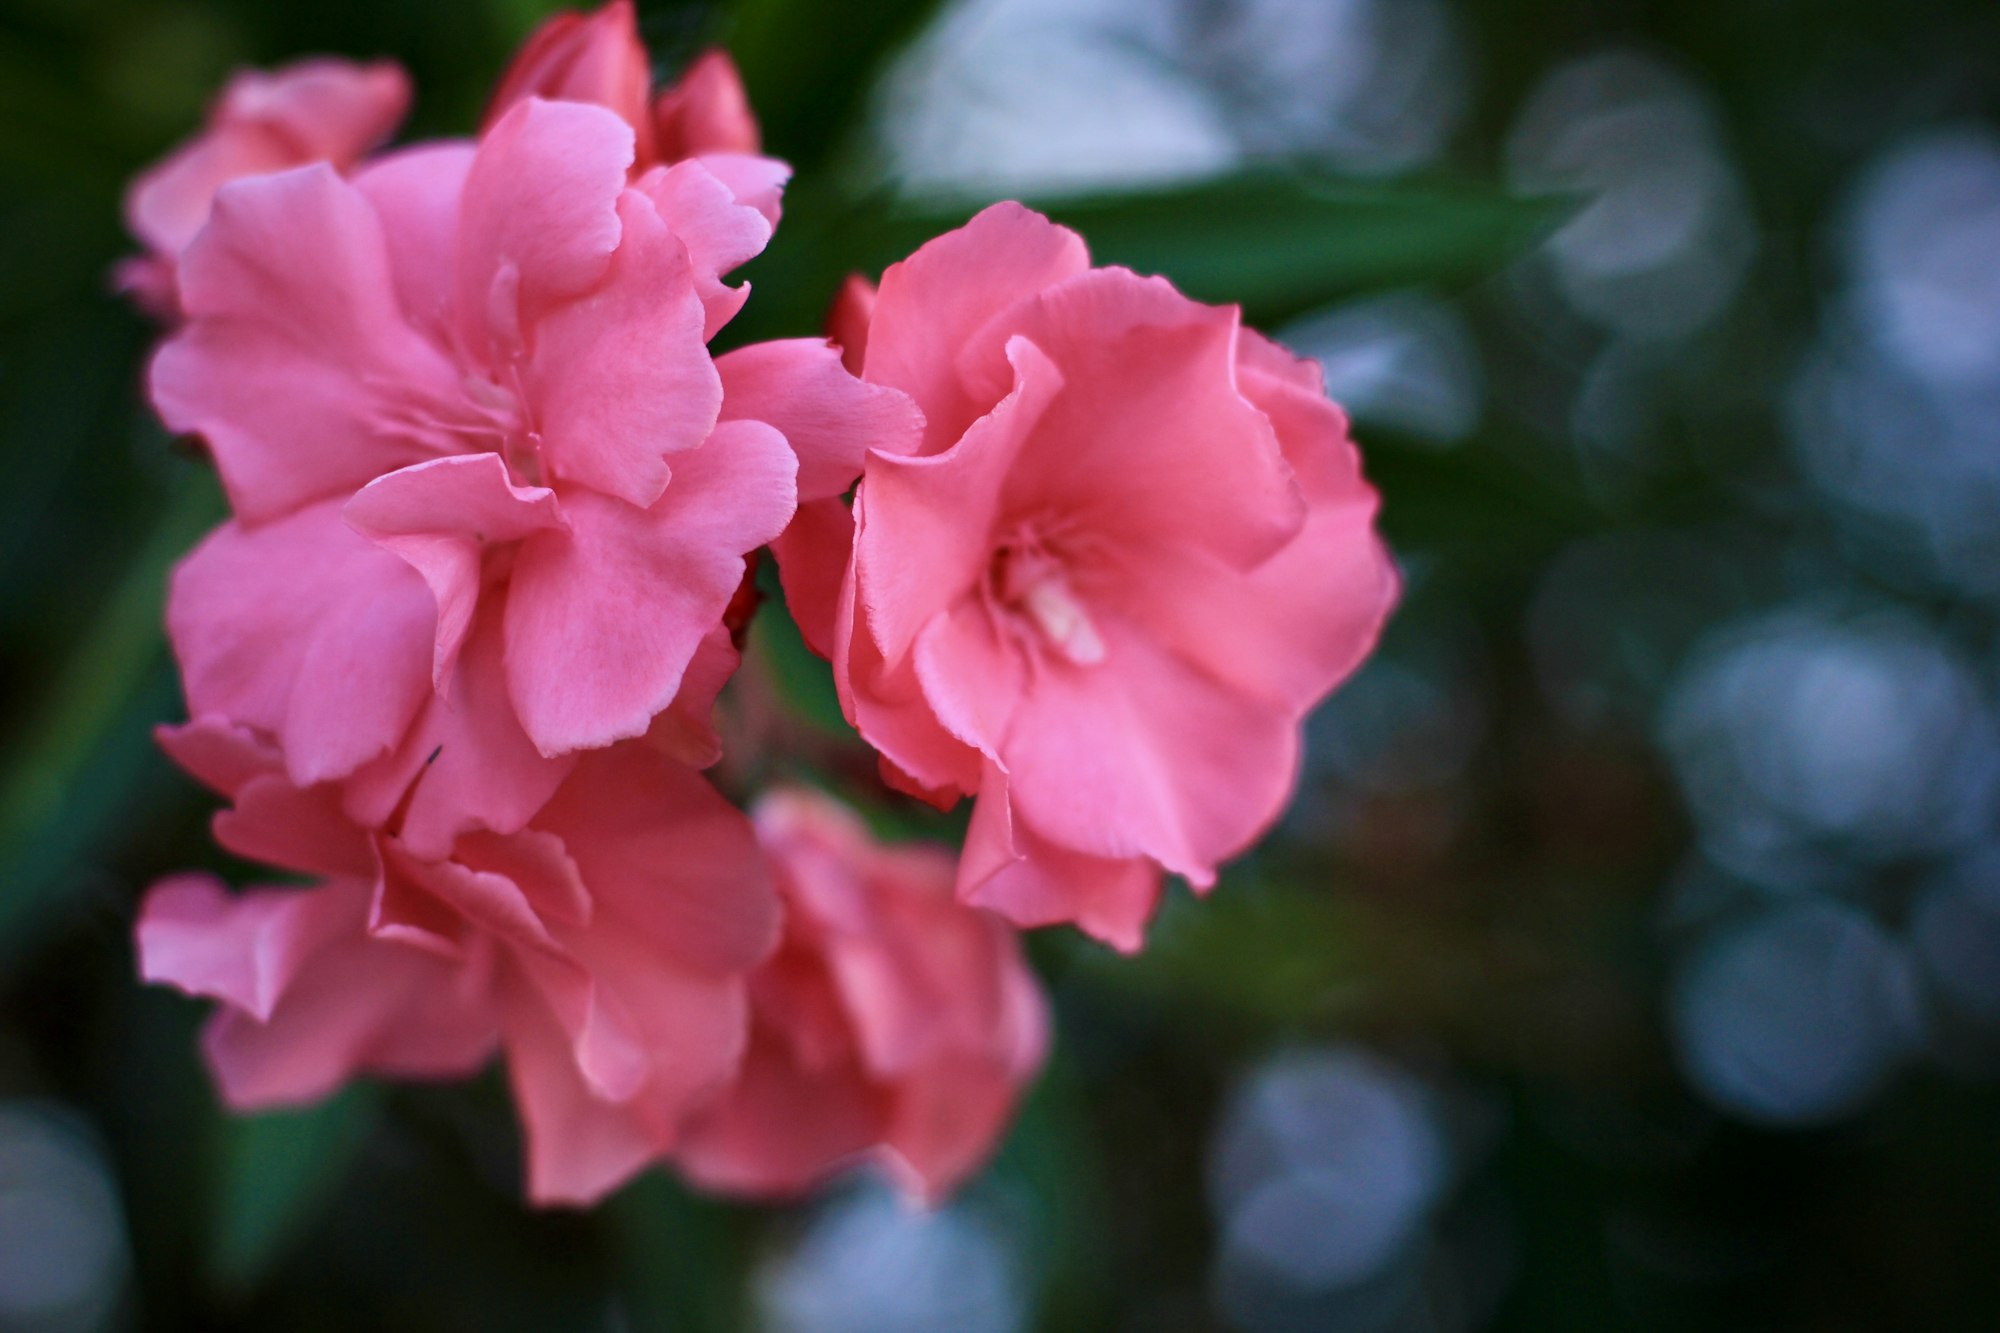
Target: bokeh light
x=1323 y=1174
x=1797 y=1017
x=63 y=1258
x=871 y=1263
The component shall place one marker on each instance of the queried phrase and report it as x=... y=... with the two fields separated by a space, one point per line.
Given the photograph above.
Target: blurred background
x=1631 y=956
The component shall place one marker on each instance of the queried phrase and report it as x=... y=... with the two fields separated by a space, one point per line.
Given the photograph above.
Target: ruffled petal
x=219 y=754
x=831 y=419
x=603 y=619
x=465 y=763
x=574 y=57
x=296 y=362
x=686 y=731
x=1143 y=755
x=307 y=632
x=622 y=383
x=886 y=704
x=442 y=517
x=1150 y=445
x=308 y=111
x=416 y=193
x=538 y=220
x=340 y=1003
x=783 y=1127
x=665 y=854
x=932 y=534
x=719 y=231
x=706 y=111
x=1010 y=870
x=931 y=304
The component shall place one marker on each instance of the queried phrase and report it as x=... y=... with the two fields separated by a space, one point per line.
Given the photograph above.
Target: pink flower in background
x=605 y=948
x=1134 y=550
x=893 y=1022
x=490 y=503
x=322 y=110
x=704 y=117
x=598 y=57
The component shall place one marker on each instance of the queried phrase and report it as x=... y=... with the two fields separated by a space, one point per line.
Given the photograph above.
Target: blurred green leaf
x=1051 y=1160
x=803 y=679
x=1279 y=244
x=276 y=1172
x=669 y=1244
x=71 y=778
x=1261 y=953
x=810 y=65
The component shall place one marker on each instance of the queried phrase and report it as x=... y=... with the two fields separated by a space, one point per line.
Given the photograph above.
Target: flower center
x=1030 y=582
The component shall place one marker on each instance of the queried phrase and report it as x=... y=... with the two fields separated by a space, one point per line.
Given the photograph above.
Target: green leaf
x=810 y=65
x=277 y=1171
x=1281 y=244
x=1277 y=243
x=802 y=678
x=73 y=776
x=680 y=1257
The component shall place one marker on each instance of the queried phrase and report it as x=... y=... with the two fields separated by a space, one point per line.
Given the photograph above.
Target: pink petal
x=830 y=418
x=933 y=534
x=887 y=706
x=244 y=949
x=1149 y=446
x=538 y=863
x=327 y=108
x=303 y=830
x=622 y=382
x=668 y=857
x=812 y=554
x=304 y=112
x=465 y=764
x=580 y=1147
x=219 y=754
x=305 y=631
x=1012 y=871
x=489 y=901
x=847 y=322
x=972 y=675
x=932 y=304
x=355 y=1005
x=538 y=221
x=782 y=1128
x=416 y=193
x=575 y=57
x=756 y=182
x=690 y=1030
x=295 y=352
x=169 y=202
x=1298 y=624
x=442 y=517
x=719 y=232
x=706 y=111
x=1143 y=755
x=947 y=1122
x=686 y=732
x=602 y=620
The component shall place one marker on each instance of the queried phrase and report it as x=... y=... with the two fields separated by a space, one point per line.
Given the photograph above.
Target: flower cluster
x=1076 y=546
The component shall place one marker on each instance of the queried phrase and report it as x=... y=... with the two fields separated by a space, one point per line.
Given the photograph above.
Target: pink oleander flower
x=1133 y=550
x=705 y=116
x=321 y=110
x=893 y=1023
x=605 y=948
x=491 y=493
